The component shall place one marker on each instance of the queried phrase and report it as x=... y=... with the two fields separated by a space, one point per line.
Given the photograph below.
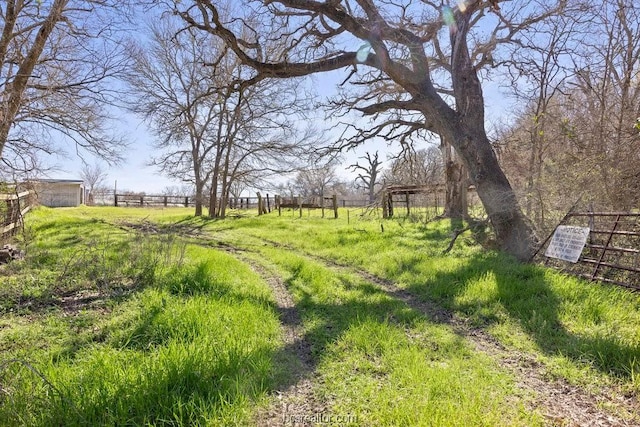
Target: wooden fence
x=397 y=199
x=150 y=200
x=264 y=204
x=155 y=200
x=13 y=207
x=318 y=202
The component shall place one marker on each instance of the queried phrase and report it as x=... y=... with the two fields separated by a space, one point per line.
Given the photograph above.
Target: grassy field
x=126 y=316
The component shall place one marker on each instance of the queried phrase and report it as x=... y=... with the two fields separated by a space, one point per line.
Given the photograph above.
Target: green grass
x=385 y=364
x=186 y=340
x=105 y=325
x=584 y=332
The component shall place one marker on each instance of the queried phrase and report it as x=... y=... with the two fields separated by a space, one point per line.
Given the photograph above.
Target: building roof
x=60 y=181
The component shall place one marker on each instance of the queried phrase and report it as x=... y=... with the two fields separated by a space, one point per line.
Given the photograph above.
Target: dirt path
x=561 y=403
x=295 y=401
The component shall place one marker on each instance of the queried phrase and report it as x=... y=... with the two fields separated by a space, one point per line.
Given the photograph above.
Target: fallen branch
x=456 y=233
x=475 y=225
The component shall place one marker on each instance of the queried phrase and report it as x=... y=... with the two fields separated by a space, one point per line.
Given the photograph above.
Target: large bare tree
x=58 y=60
x=211 y=129
x=317 y=181
x=398 y=43
x=606 y=103
x=175 y=94
x=368 y=174
x=424 y=166
x=580 y=98
x=94 y=177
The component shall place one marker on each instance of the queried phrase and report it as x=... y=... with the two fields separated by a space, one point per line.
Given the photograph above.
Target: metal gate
x=612 y=252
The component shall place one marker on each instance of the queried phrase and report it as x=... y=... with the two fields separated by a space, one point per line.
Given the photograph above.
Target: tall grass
x=191 y=342
x=586 y=333
x=382 y=363
x=105 y=325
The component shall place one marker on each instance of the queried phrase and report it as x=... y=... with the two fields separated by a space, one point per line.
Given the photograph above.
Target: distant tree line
x=222 y=86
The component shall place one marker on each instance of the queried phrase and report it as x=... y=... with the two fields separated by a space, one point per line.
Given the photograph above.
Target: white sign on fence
x=567 y=243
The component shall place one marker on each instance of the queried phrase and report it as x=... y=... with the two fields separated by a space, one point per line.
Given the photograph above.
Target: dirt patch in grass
x=561 y=403
x=147 y=227
x=294 y=401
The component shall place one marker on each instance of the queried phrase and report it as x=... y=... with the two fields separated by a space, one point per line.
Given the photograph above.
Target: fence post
x=141 y=200
x=300 y=205
x=335 y=205
x=279 y=205
x=268 y=204
x=385 y=206
x=115 y=199
x=259 y=203
x=166 y=201
x=406 y=197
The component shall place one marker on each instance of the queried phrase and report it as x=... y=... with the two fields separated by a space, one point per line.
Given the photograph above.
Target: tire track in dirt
x=295 y=401
x=561 y=403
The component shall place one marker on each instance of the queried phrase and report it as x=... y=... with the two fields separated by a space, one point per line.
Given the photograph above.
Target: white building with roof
x=57 y=193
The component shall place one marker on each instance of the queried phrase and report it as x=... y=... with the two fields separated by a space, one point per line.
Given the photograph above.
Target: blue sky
x=134 y=173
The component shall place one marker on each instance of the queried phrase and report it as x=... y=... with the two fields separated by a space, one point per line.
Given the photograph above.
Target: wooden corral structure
x=415 y=196
x=398 y=195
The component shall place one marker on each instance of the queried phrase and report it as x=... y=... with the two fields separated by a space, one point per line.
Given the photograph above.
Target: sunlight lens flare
x=363 y=52
x=447 y=16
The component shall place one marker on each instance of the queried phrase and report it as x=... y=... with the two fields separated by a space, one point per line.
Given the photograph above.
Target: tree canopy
x=418 y=57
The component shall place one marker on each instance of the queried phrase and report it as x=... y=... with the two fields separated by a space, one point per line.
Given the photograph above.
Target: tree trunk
x=456 y=184
x=198 y=198
x=16 y=89
x=226 y=183
x=464 y=128
x=213 y=196
x=514 y=233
